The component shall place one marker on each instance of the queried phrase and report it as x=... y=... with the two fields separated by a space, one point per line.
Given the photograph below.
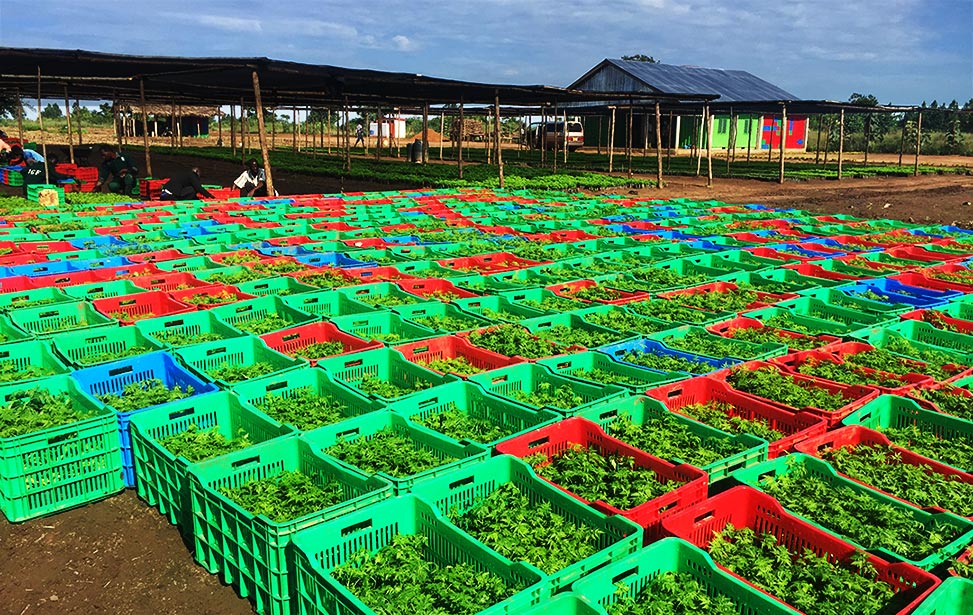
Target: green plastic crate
x=18 y=357
x=837 y=298
x=33 y=298
x=642 y=410
x=327 y=303
x=460 y=490
x=495 y=308
x=582 y=366
x=418 y=312
x=472 y=401
x=452 y=453
x=381 y=295
x=189 y=265
x=57 y=468
x=161 y=477
x=49 y=320
x=957 y=345
x=247 y=351
x=252 y=552
x=928 y=520
x=420 y=269
x=953 y=597
x=387 y=327
x=386 y=365
x=533 y=298
x=321 y=549
x=242 y=314
x=746 y=351
x=617 y=318
x=515 y=381
x=86 y=348
x=567 y=603
x=310 y=380
x=815 y=308
x=280 y=286
x=631 y=576
x=562 y=329
x=101 y=290
x=653 y=309
x=196 y=326
x=890 y=411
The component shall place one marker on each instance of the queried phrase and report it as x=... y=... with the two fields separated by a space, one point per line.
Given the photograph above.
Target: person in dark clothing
x=16 y=158
x=116 y=165
x=253 y=181
x=184 y=186
x=34 y=173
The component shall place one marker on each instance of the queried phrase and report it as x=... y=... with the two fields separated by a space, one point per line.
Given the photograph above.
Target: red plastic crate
x=854 y=435
x=86 y=174
x=745 y=507
x=335 y=226
x=858 y=242
x=777 y=255
x=156 y=256
x=367 y=275
x=292 y=240
x=556 y=350
x=856 y=396
x=846 y=349
x=253 y=255
x=290 y=341
x=918 y=253
x=497 y=262
x=817 y=271
x=66 y=279
x=12 y=260
x=215 y=289
x=962 y=326
x=118 y=230
x=725 y=328
x=568 y=290
x=46 y=247
x=792 y=363
x=128 y=272
x=453 y=347
x=429 y=287
x=17 y=283
x=170 y=282
x=797 y=427
x=763 y=299
x=367 y=242
x=559 y=437
x=141 y=305
x=224 y=193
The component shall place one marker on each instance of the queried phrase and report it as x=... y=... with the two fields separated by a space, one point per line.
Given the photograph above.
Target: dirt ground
x=121 y=557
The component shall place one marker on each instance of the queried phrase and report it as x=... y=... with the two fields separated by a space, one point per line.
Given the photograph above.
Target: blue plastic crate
x=618 y=352
x=102 y=263
x=898 y=292
x=46 y=268
x=793 y=249
x=956 y=229
x=111 y=378
x=674 y=235
x=268 y=249
x=703 y=244
x=333 y=259
x=98 y=241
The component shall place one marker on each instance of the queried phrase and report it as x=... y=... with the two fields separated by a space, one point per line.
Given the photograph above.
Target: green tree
x=8 y=105
x=954 y=131
x=641 y=57
x=52 y=112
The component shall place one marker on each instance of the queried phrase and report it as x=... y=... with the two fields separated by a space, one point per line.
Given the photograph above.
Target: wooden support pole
x=293 y=128
x=219 y=124
x=442 y=131
x=731 y=141
x=556 y=140
x=378 y=133
x=565 y=136
x=629 y=137
x=77 y=121
x=751 y=136
x=496 y=134
x=709 y=147
x=598 y=141
x=20 y=117
x=841 y=140
x=244 y=132
x=611 y=141
x=307 y=125
x=425 y=133
x=658 y=145
x=233 y=129
x=459 y=137
x=262 y=135
x=542 y=141
x=817 y=149
x=868 y=135
x=669 y=145
x=770 y=143
x=179 y=124
x=783 y=141
x=273 y=129
x=327 y=131
x=827 y=141
x=172 y=123
x=40 y=122
x=145 y=128
x=117 y=121
x=915 y=171
x=67 y=112
x=347 y=139
x=905 y=121
x=699 y=141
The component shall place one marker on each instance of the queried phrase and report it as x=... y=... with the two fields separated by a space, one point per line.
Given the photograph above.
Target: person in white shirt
x=253 y=180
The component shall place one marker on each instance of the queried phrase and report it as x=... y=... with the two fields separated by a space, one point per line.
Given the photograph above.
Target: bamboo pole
x=459 y=137
x=611 y=141
x=425 y=133
x=868 y=135
x=145 y=128
x=565 y=132
x=905 y=119
x=751 y=136
x=40 y=122
x=817 y=149
x=293 y=128
x=915 y=172
x=841 y=141
x=67 y=111
x=709 y=147
x=554 y=120
x=629 y=145
x=699 y=141
x=347 y=139
x=442 y=131
x=669 y=145
x=273 y=129
x=731 y=141
x=598 y=142
x=77 y=103
x=233 y=129
x=378 y=133
x=20 y=117
x=262 y=135
x=496 y=134
x=172 y=123
x=219 y=124
x=245 y=123
x=783 y=141
x=658 y=145
x=543 y=134
x=179 y=124
x=117 y=121
x=307 y=125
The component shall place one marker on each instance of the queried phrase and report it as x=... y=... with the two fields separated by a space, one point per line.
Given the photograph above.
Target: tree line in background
x=945 y=131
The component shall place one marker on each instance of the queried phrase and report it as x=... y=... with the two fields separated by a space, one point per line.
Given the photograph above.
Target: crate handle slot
x=354 y=363
x=350 y=432
x=245 y=308
x=62 y=437
x=276 y=386
x=706 y=516
x=674 y=393
x=608 y=414
x=428 y=402
x=499 y=379
x=178 y=414
x=212 y=351
x=292 y=336
x=246 y=461
x=624 y=575
x=539 y=442
x=127 y=369
x=48 y=314
x=461 y=482
x=357 y=527
x=563 y=365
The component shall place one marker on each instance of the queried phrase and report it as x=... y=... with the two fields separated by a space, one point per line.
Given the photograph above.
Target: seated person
x=119 y=168
x=16 y=157
x=184 y=186
x=253 y=180
x=34 y=173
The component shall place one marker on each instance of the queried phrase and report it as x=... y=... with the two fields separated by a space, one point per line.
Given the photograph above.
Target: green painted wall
x=721 y=132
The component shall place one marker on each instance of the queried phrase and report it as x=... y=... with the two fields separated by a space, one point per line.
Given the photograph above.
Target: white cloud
x=403 y=43
x=230 y=24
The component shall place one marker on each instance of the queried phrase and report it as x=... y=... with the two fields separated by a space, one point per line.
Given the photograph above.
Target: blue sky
x=903 y=51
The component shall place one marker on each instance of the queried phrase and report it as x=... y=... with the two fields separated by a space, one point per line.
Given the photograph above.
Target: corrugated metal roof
x=731 y=85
